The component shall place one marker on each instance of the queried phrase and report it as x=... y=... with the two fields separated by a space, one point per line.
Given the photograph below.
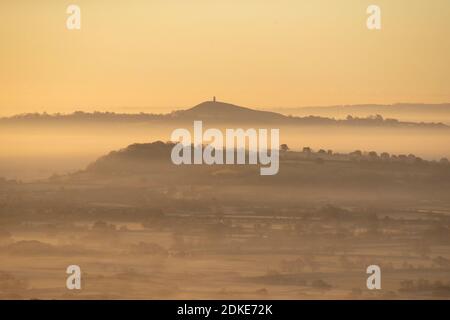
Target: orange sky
x=130 y=55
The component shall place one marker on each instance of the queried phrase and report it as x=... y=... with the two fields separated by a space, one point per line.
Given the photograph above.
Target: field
x=156 y=232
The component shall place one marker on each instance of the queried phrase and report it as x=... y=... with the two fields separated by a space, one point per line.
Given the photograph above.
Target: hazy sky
x=177 y=53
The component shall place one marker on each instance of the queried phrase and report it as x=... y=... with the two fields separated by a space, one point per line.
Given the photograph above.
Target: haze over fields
x=223 y=231
x=141 y=227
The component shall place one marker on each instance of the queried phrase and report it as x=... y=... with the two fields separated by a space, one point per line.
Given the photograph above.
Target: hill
x=221 y=111
x=307 y=168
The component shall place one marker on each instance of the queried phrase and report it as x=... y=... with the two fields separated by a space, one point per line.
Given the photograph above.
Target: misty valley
x=196 y=154
x=140 y=227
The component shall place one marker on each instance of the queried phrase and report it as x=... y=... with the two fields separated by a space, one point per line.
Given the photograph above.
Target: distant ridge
x=413 y=112
x=217 y=112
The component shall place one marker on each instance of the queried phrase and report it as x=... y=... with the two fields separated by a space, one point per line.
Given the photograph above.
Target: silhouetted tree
x=284 y=147
x=385 y=156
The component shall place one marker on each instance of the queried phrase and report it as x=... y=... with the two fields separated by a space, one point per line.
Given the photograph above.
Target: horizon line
x=174 y=109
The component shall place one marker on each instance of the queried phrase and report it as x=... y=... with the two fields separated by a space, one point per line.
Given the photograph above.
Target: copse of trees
x=358 y=155
x=84 y=116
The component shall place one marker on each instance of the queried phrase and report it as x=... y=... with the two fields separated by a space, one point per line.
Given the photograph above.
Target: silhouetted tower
x=214 y=99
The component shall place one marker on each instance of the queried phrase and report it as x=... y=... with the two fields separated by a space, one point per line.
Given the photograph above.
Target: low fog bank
x=35 y=152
